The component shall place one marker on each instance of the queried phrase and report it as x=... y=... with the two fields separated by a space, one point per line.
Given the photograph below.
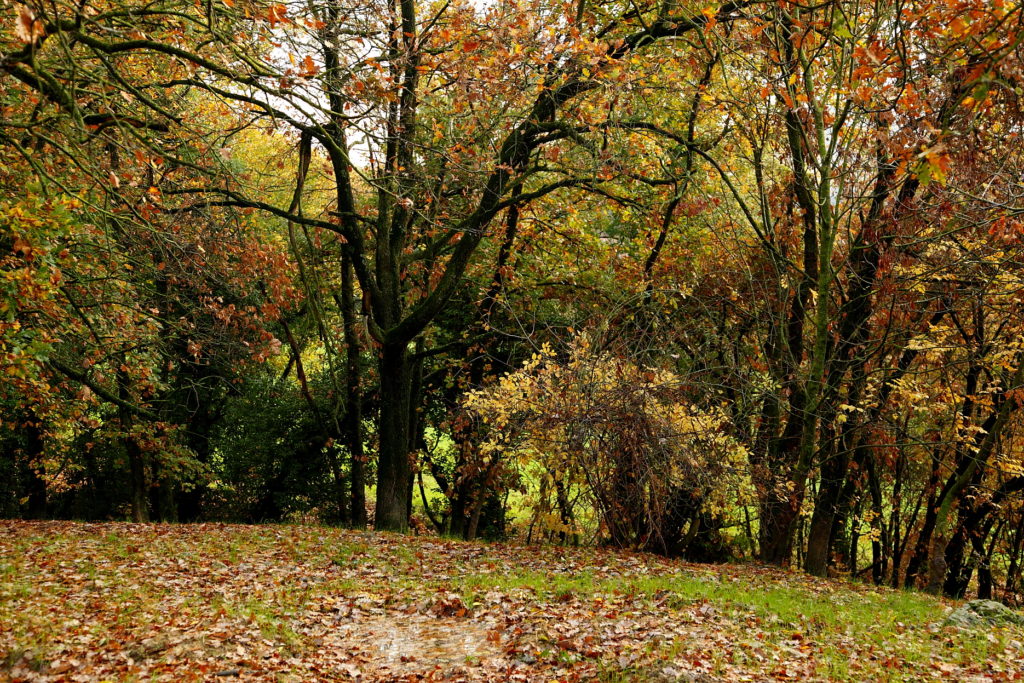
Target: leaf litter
x=95 y=602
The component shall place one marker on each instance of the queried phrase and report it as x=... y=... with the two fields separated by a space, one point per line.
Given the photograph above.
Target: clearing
x=94 y=602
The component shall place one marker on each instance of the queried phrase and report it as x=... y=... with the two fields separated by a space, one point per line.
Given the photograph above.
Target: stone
x=981 y=613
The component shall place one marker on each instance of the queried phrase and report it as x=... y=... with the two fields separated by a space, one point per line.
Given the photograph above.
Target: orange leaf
x=277 y=14
x=27 y=27
x=309 y=67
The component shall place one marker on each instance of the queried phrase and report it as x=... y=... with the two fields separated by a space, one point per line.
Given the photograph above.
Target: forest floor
x=122 y=602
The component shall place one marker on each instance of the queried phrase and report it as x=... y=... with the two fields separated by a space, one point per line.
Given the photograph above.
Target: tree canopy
x=708 y=279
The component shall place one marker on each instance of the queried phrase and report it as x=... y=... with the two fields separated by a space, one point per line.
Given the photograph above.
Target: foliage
x=122 y=328
x=340 y=229
x=654 y=466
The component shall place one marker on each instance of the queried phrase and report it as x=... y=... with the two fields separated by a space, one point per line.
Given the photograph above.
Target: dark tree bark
x=35 y=486
x=137 y=486
x=393 y=466
x=354 y=399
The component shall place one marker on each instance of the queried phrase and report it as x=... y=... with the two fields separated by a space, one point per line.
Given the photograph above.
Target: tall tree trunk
x=776 y=530
x=354 y=400
x=565 y=513
x=137 y=480
x=895 y=530
x=958 y=565
x=921 y=547
x=136 y=458
x=985 y=563
x=1013 y=570
x=840 y=536
x=393 y=467
x=924 y=536
x=854 y=539
x=35 y=485
x=966 y=549
x=835 y=461
x=826 y=506
x=936 y=565
x=780 y=504
x=96 y=503
x=416 y=440
x=458 y=524
x=879 y=538
x=200 y=427
x=163 y=502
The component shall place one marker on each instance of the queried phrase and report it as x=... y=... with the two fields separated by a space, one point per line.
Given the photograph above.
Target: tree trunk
x=136 y=458
x=776 y=531
x=415 y=431
x=854 y=539
x=354 y=400
x=458 y=524
x=163 y=495
x=200 y=427
x=36 y=489
x=985 y=582
x=34 y=484
x=137 y=475
x=895 y=529
x=924 y=537
x=967 y=549
x=832 y=500
x=1013 y=570
x=565 y=514
x=937 y=566
x=474 y=519
x=959 y=567
x=393 y=467
x=879 y=539
x=826 y=505
x=840 y=535
x=357 y=470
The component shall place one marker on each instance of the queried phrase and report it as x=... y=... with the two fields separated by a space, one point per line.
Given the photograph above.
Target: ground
x=123 y=602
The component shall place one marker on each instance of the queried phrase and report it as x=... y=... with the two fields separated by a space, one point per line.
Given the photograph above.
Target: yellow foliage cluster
x=623 y=433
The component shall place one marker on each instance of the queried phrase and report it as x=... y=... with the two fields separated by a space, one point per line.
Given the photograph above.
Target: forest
x=716 y=281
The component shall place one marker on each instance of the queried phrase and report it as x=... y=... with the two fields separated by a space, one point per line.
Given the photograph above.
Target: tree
x=448 y=130
x=129 y=324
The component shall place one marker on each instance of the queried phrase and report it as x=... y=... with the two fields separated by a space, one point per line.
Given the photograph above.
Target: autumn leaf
x=308 y=67
x=276 y=14
x=27 y=28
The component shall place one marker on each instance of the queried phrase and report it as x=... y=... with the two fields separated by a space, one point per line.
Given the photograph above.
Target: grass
x=786 y=609
x=788 y=605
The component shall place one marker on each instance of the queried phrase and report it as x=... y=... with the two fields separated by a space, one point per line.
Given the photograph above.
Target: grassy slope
x=215 y=602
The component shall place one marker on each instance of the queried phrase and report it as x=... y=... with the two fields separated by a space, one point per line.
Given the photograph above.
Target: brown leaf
x=27 y=27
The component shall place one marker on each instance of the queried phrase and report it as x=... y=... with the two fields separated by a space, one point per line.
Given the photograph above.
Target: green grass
x=788 y=605
x=901 y=623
